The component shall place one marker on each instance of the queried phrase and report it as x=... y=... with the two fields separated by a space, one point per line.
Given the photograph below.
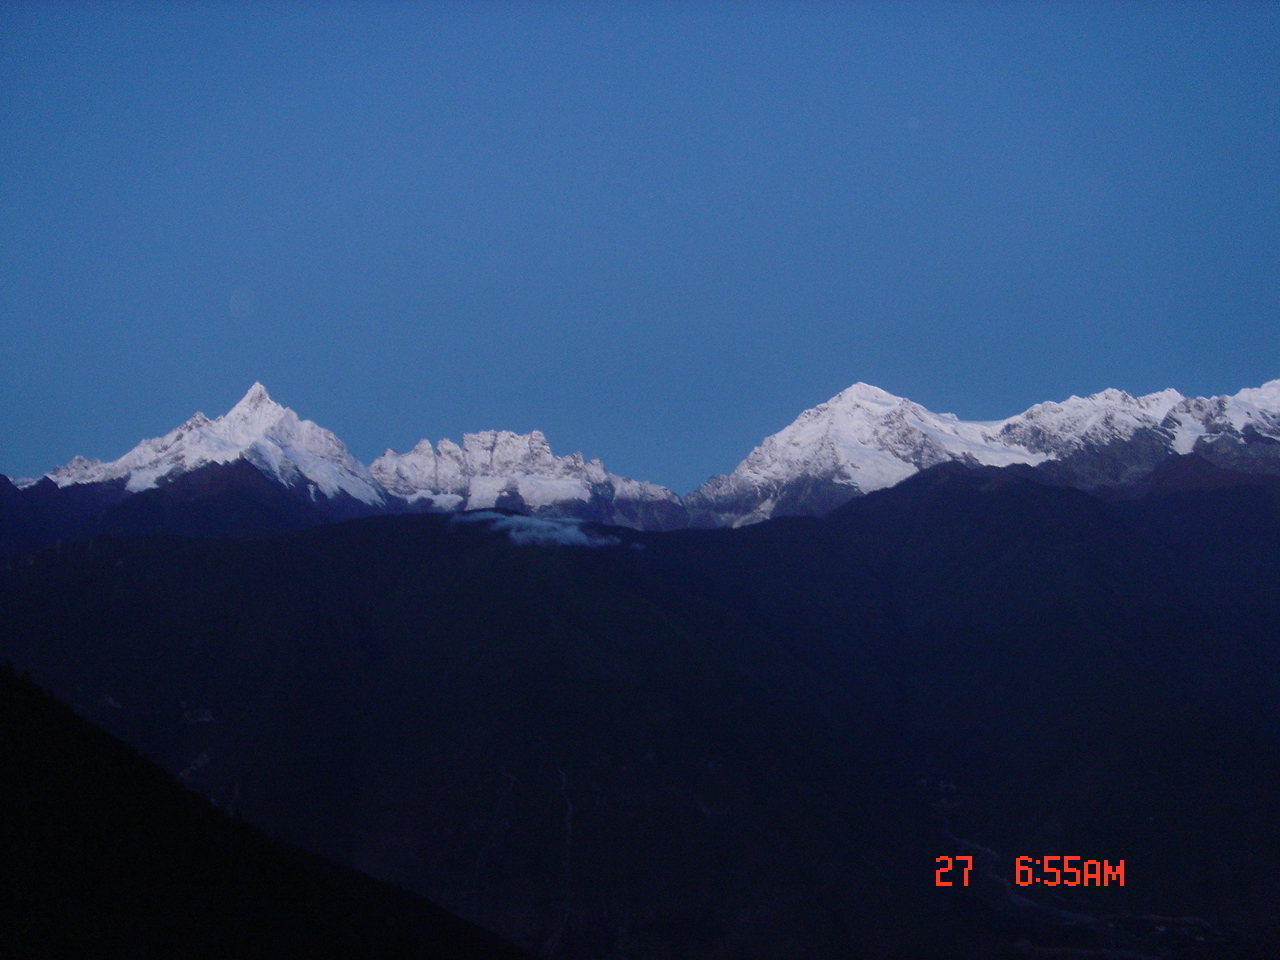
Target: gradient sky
x=655 y=231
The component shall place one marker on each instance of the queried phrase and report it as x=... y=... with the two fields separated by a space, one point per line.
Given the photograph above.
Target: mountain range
x=751 y=737
x=260 y=467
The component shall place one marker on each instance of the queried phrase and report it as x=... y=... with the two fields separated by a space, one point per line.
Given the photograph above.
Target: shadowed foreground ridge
x=106 y=855
x=747 y=744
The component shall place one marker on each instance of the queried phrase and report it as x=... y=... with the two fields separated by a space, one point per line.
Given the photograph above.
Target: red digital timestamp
x=1068 y=871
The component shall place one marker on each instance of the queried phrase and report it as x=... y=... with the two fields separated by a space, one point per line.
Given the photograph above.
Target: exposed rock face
x=498 y=468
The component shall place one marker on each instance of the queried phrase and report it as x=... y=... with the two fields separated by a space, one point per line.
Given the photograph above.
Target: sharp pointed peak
x=255 y=401
x=256 y=394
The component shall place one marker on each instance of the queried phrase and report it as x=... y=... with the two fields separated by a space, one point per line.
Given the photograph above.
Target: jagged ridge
x=297 y=453
x=490 y=469
x=865 y=439
x=861 y=440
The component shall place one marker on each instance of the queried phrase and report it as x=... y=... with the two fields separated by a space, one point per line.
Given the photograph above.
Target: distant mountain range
x=1049 y=635
x=260 y=468
x=866 y=439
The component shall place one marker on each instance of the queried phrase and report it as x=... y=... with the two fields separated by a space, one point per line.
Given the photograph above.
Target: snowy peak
x=493 y=464
x=862 y=439
x=1265 y=397
x=503 y=453
x=866 y=438
x=253 y=416
x=297 y=453
x=1251 y=416
x=1079 y=422
x=864 y=395
x=255 y=399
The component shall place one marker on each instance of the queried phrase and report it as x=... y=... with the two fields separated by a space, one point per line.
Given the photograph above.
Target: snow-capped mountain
x=865 y=439
x=491 y=469
x=260 y=469
x=1185 y=423
x=299 y=454
x=498 y=468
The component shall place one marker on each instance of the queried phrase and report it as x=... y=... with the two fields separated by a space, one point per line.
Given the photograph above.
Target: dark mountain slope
x=15 y=532
x=105 y=855
x=45 y=513
x=218 y=500
x=748 y=743
x=232 y=499
x=565 y=756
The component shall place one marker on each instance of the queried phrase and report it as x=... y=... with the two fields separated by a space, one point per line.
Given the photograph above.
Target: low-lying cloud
x=539 y=531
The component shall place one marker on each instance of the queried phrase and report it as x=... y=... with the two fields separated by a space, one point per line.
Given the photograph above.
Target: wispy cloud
x=538 y=531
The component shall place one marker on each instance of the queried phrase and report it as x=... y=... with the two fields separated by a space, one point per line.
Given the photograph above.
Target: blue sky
x=655 y=231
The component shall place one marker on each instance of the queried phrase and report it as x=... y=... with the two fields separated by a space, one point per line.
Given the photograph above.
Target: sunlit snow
x=867 y=438
x=257 y=429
